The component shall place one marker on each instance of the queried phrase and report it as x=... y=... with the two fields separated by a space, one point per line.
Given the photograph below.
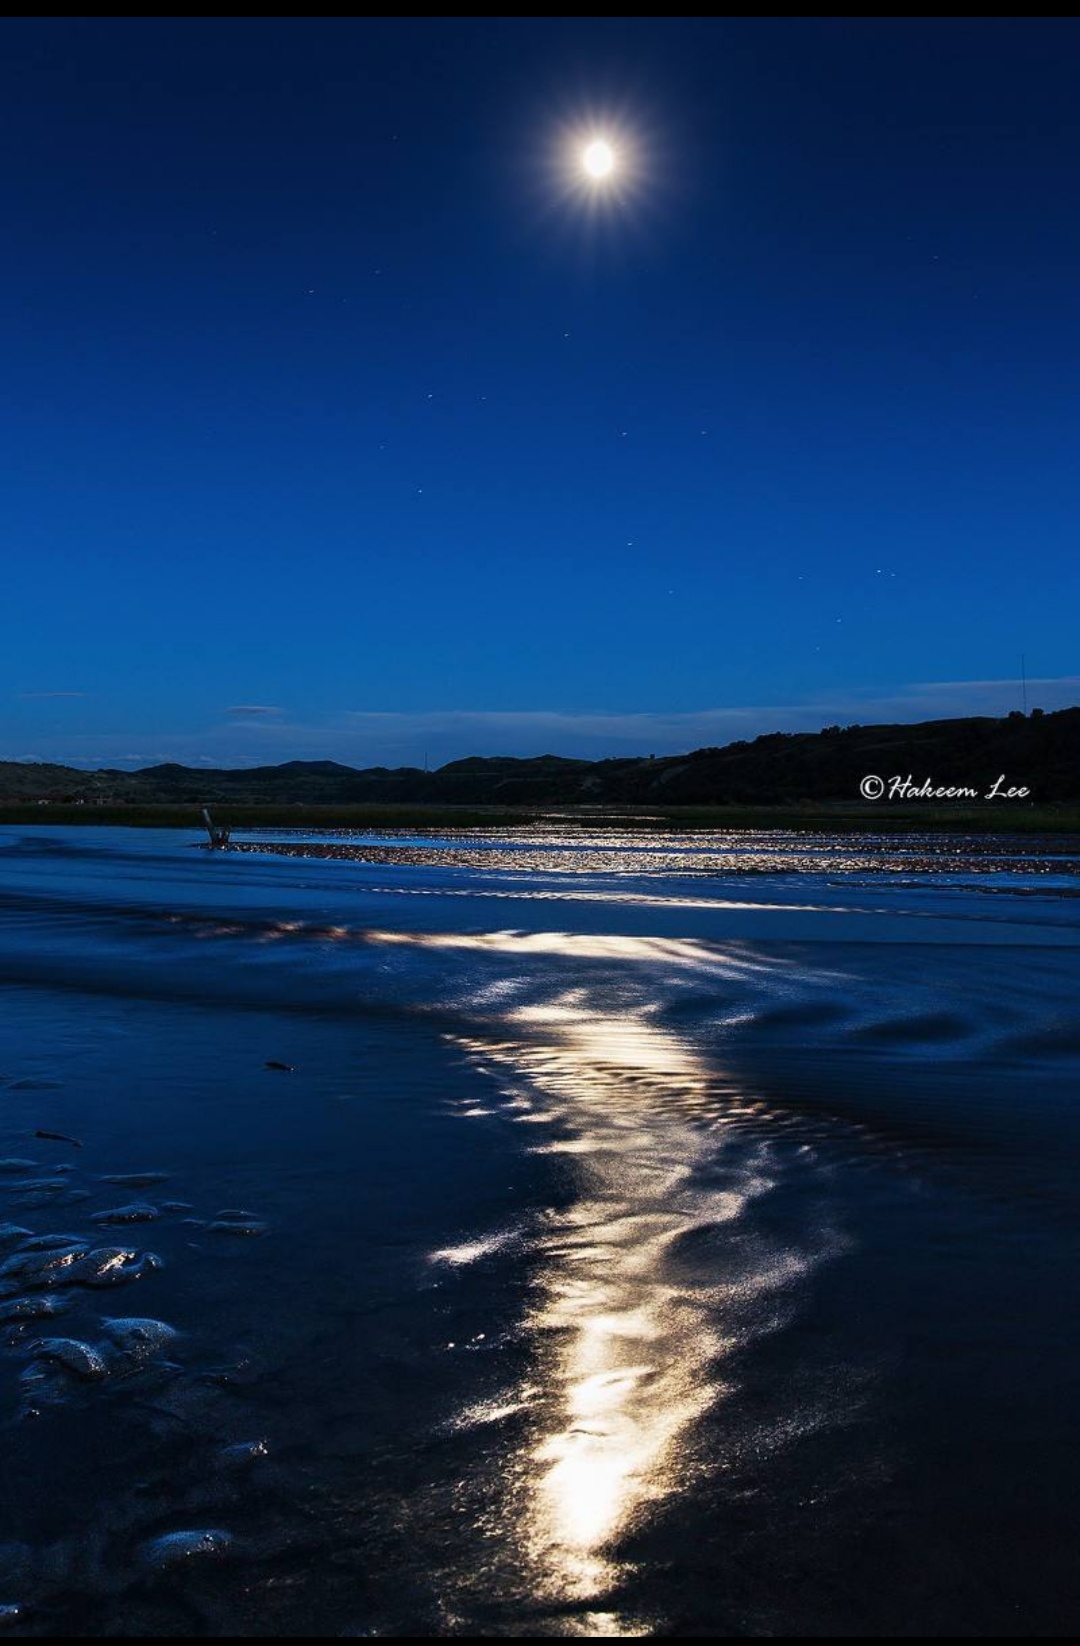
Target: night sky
x=344 y=416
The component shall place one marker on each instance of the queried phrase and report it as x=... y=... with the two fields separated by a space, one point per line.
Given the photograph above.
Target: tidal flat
x=557 y=1231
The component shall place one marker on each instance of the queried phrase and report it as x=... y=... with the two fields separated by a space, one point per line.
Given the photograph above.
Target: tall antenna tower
x=1023 y=681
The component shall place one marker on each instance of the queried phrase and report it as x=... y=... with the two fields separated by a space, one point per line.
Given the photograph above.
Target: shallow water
x=648 y=1234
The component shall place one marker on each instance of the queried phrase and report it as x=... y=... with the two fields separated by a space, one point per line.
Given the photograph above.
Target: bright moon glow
x=598 y=159
x=598 y=168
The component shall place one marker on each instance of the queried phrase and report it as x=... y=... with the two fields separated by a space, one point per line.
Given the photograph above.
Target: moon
x=598 y=159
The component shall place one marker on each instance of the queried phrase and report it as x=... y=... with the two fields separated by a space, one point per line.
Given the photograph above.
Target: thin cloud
x=51 y=694
x=241 y=737
x=1010 y=684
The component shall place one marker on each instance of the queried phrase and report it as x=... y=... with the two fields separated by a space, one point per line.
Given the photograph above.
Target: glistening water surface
x=641 y=1234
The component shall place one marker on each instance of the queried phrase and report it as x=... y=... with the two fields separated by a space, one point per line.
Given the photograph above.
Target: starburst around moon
x=598 y=164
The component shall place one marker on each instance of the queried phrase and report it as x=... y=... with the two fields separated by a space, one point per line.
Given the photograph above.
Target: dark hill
x=1039 y=751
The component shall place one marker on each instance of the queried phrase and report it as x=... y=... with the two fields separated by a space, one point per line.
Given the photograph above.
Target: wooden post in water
x=218 y=833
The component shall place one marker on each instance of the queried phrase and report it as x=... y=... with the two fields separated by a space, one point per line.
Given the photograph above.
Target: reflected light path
x=630 y=1332
x=627 y=1357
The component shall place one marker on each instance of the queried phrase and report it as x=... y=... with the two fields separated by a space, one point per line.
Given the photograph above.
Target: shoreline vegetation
x=990 y=817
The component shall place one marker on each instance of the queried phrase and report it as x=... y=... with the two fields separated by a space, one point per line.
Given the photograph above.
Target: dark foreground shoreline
x=915 y=816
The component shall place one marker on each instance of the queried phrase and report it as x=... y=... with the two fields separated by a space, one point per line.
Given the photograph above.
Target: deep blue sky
x=336 y=423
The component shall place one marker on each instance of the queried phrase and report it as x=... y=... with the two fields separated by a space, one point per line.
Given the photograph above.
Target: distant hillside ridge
x=1040 y=752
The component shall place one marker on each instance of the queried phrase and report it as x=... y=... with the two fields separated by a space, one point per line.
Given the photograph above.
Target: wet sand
x=630 y=1250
